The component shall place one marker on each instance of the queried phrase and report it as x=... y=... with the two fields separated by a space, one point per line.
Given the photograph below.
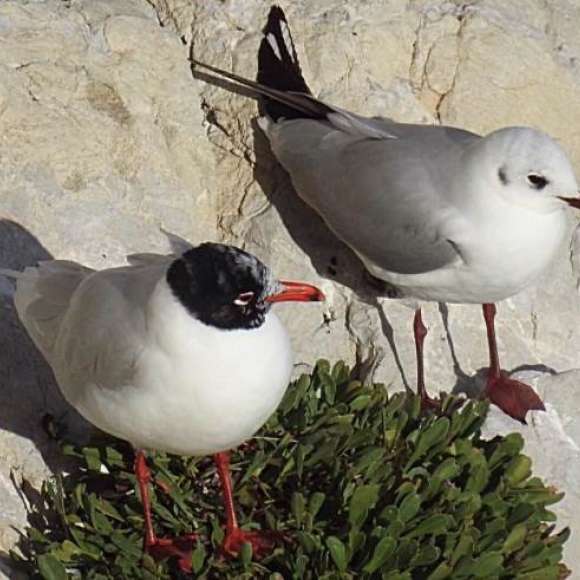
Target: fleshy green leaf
x=50 y=568
x=519 y=469
x=363 y=499
x=337 y=552
x=382 y=552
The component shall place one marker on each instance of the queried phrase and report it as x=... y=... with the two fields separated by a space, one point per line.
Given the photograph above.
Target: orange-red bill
x=296 y=292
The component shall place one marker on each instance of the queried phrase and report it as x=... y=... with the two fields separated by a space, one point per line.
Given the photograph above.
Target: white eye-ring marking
x=244 y=299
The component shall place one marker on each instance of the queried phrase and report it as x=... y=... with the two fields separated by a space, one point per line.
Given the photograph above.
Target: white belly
x=494 y=265
x=201 y=391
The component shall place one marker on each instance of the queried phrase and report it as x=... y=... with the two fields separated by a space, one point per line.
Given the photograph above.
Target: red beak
x=296 y=292
x=572 y=201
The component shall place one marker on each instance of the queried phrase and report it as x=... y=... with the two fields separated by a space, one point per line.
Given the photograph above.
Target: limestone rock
x=106 y=135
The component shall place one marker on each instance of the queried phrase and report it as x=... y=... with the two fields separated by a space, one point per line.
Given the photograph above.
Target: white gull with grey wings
x=439 y=212
x=179 y=353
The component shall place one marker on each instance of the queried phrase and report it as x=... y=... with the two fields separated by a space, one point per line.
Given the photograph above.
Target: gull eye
x=244 y=298
x=537 y=181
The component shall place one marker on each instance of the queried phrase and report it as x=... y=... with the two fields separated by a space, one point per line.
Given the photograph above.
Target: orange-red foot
x=513 y=397
x=181 y=547
x=263 y=542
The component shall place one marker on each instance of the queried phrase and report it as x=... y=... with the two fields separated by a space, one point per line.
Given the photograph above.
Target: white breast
x=196 y=389
x=498 y=258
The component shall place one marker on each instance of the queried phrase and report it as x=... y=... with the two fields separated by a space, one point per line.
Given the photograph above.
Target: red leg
x=160 y=548
x=420 y=332
x=262 y=542
x=513 y=397
x=489 y=312
x=223 y=467
x=143 y=476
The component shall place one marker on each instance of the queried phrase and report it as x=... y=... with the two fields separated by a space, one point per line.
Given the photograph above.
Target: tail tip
x=275 y=16
x=278 y=66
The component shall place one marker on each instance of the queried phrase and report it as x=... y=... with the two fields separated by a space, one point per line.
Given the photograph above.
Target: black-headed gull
x=440 y=213
x=178 y=353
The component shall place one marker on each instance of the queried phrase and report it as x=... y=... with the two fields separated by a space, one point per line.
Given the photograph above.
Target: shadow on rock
x=30 y=402
x=331 y=258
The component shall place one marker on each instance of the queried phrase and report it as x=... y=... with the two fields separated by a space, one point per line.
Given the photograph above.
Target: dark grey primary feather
x=308 y=106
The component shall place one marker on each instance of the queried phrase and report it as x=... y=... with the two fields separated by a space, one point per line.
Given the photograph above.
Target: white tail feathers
x=282 y=35
x=43 y=295
x=274 y=45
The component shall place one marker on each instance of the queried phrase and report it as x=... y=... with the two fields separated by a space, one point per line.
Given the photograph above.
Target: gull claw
x=182 y=547
x=263 y=542
x=513 y=397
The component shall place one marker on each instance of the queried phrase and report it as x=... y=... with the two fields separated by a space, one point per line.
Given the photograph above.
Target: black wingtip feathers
x=278 y=66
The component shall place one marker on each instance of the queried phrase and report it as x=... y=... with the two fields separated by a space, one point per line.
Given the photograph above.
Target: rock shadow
x=329 y=256
x=31 y=404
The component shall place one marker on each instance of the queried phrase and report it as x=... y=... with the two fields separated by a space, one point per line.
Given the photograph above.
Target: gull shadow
x=539 y=368
x=472 y=386
x=31 y=404
x=389 y=334
x=469 y=385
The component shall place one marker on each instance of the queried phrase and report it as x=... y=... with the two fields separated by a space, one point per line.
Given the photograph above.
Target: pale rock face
x=105 y=135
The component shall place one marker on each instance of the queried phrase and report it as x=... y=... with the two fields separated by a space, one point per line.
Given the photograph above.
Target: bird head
x=226 y=287
x=529 y=169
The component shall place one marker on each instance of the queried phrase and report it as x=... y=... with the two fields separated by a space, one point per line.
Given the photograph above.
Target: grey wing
x=178 y=247
x=105 y=328
x=145 y=259
x=384 y=198
x=42 y=298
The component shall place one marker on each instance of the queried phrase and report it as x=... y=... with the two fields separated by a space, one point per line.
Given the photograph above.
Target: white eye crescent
x=244 y=299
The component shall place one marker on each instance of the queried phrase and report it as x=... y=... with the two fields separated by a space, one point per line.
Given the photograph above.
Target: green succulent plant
x=361 y=483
